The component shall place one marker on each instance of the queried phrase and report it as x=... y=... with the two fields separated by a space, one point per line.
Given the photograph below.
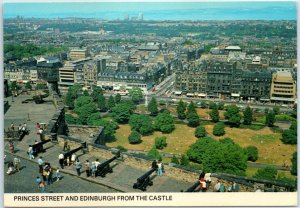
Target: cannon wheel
x=135 y=185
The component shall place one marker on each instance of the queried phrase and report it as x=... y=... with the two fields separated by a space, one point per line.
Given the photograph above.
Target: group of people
x=204 y=180
x=47 y=173
x=67 y=161
x=157 y=164
x=220 y=187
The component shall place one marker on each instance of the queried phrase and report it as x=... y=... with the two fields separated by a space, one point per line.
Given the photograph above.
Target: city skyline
x=156 y=10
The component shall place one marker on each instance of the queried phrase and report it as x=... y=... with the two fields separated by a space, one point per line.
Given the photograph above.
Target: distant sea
x=157 y=10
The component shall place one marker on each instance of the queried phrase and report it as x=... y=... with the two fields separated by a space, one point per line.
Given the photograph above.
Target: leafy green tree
x=200 y=132
x=226 y=140
x=294 y=126
x=219 y=129
x=221 y=106
x=184 y=160
x=153 y=153
x=214 y=113
x=134 y=138
x=40 y=86
x=174 y=160
x=85 y=111
x=203 y=104
x=117 y=98
x=122 y=112
x=110 y=102
x=28 y=86
x=152 y=107
x=82 y=100
x=160 y=142
x=193 y=119
x=252 y=153
x=294 y=164
x=289 y=136
x=233 y=115
x=248 y=116
x=270 y=119
x=164 y=122
x=101 y=102
x=218 y=156
x=141 y=123
x=136 y=94
x=211 y=104
x=191 y=108
x=276 y=110
x=72 y=95
x=109 y=128
x=13 y=86
x=96 y=92
x=93 y=118
x=267 y=173
x=86 y=93
x=181 y=108
x=71 y=119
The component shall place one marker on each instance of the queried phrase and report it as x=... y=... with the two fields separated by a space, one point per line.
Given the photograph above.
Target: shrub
x=153 y=153
x=252 y=153
x=160 y=142
x=134 y=138
x=184 y=160
x=267 y=173
x=121 y=148
x=294 y=164
x=174 y=160
x=289 y=137
x=219 y=129
x=200 y=132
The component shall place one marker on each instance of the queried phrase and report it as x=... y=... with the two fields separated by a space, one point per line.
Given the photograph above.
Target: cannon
x=193 y=187
x=144 y=180
x=104 y=167
x=69 y=154
x=38 y=147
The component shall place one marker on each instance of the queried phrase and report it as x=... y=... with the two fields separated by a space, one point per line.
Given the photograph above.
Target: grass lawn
x=270 y=148
x=250 y=172
x=203 y=113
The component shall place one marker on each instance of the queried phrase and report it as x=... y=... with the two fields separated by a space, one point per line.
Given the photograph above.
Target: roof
x=233 y=48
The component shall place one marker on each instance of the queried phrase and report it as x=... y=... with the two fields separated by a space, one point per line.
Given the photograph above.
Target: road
x=24 y=181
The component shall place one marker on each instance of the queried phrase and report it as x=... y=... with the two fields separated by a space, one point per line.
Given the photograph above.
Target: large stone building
x=91 y=71
x=283 y=87
x=76 y=54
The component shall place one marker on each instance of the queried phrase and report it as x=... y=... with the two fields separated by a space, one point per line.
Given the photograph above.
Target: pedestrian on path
x=61 y=160
x=30 y=152
x=87 y=168
x=78 y=167
x=10 y=168
x=12 y=126
x=57 y=174
x=94 y=169
x=11 y=147
x=65 y=146
x=43 y=187
x=159 y=168
x=38 y=180
x=40 y=162
x=17 y=162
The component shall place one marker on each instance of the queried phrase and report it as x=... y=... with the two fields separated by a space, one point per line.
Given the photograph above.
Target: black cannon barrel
x=69 y=154
x=39 y=145
x=146 y=175
x=104 y=164
x=193 y=187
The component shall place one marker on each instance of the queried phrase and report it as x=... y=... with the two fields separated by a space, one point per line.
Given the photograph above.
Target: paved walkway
x=123 y=176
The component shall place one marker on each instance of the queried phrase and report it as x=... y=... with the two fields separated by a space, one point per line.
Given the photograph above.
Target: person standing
x=43 y=187
x=17 y=162
x=57 y=174
x=11 y=147
x=78 y=167
x=94 y=169
x=40 y=163
x=87 y=168
x=73 y=158
x=217 y=186
x=61 y=159
x=65 y=146
x=30 y=152
x=235 y=187
x=38 y=180
x=12 y=126
x=159 y=168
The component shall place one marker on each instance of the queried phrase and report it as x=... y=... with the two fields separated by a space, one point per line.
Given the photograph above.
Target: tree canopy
x=153 y=153
x=122 y=112
x=233 y=115
x=141 y=123
x=152 y=107
x=270 y=119
x=248 y=116
x=193 y=119
x=72 y=94
x=181 y=108
x=164 y=122
x=200 y=131
x=134 y=138
x=136 y=94
x=110 y=102
x=219 y=129
x=294 y=164
x=214 y=113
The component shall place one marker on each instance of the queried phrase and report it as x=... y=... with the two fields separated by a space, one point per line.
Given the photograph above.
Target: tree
x=191 y=108
x=219 y=129
x=28 y=86
x=85 y=111
x=193 y=119
x=270 y=119
x=211 y=104
x=200 y=132
x=82 y=100
x=252 y=153
x=152 y=107
x=203 y=104
x=110 y=102
x=221 y=106
x=181 y=108
x=153 y=153
x=96 y=92
x=267 y=173
x=233 y=115
x=40 y=86
x=218 y=156
x=72 y=95
x=248 y=116
x=71 y=119
x=160 y=142
x=174 y=160
x=117 y=98
x=141 y=123
x=294 y=164
x=93 y=118
x=109 y=128
x=289 y=136
x=86 y=93
x=134 y=138
x=136 y=94
x=276 y=110
x=164 y=122
x=184 y=160
x=122 y=112
x=214 y=113
x=101 y=102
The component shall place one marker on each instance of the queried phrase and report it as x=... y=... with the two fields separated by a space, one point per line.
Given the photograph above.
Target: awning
x=235 y=95
x=283 y=99
x=178 y=92
x=201 y=95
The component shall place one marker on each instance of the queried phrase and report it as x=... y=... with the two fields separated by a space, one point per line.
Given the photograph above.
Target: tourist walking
x=17 y=162
x=61 y=159
x=159 y=168
x=94 y=169
x=73 y=158
x=43 y=187
x=65 y=146
x=40 y=163
x=235 y=187
x=11 y=147
x=57 y=174
x=217 y=186
x=12 y=126
x=78 y=167
x=30 y=152
x=10 y=168
x=87 y=168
